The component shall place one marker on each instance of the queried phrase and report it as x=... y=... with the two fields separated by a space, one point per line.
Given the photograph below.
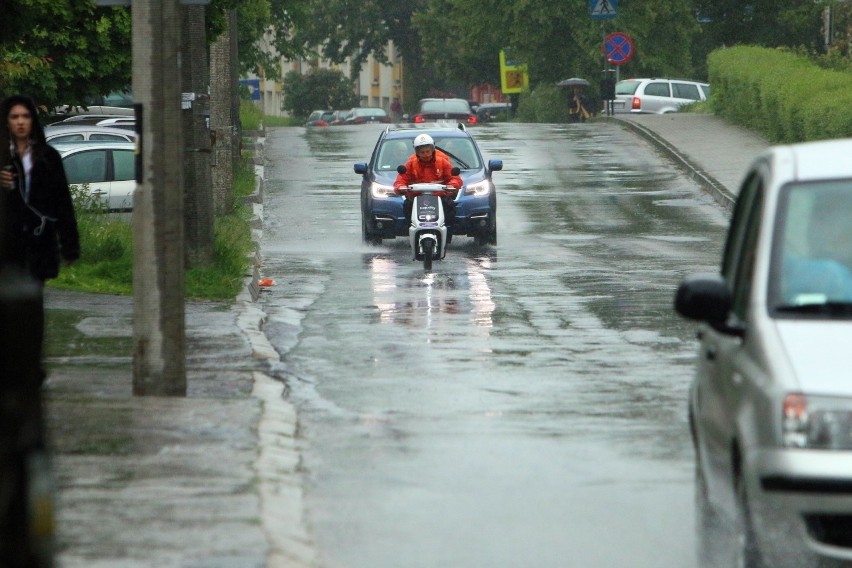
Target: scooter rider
x=428 y=165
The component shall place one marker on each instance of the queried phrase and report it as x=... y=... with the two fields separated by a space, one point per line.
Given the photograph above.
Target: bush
x=545 y=103
x=784 y=96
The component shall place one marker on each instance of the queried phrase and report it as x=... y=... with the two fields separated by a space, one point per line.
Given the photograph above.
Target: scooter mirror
x=400 y=169
x=455 y=171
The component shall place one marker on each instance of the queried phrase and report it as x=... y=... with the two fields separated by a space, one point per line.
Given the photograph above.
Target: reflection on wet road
x=521 y=405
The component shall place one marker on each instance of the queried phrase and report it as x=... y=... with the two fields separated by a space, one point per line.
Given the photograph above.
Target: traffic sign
x=603 y=9
x=618 y=48
x=513 y=75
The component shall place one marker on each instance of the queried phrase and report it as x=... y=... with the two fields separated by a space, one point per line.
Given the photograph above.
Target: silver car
x=771 y=402
x=108 y=169
x=64 y=133
x=657 y=96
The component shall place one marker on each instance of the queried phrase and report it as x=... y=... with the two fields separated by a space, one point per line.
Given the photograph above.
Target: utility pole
x=159 y=342
x=198 y=192
x=221 y=119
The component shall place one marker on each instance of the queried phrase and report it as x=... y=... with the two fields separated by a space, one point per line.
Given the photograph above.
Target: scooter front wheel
x=428 y=248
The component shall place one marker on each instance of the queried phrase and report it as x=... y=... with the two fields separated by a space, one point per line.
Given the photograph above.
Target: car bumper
x=801 y=506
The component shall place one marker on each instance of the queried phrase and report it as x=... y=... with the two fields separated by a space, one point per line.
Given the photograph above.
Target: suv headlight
x=478 y=189
x=817 y=422
x=381 y=191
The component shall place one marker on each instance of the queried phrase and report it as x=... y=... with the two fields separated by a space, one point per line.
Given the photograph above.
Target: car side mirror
x=495 y=165
x=361 y=168
x=401 y=169
x=704 y=297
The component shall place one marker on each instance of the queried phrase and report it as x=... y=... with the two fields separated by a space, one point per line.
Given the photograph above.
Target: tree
x=770 y=23
x=63 y=51
x=319 y=89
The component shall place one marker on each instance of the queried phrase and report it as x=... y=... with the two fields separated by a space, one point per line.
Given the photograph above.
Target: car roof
x=820 y=160
x=56 y=129
x=404 y=133
x=68 y=147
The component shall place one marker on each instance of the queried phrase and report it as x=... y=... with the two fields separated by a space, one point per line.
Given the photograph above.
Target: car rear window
x=626 y=87
x=445 y=106
x=124 y=163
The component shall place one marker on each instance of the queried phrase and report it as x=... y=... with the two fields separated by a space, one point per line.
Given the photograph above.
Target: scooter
x=427 y=233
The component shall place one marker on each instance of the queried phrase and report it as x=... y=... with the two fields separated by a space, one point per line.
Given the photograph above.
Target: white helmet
x=423 y=140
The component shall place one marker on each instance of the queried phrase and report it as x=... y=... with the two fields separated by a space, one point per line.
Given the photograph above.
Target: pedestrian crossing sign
x=603 y=9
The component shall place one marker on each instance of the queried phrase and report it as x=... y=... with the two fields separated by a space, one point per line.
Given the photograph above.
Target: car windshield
x=369 y=112
x=812 y=250
x=461 y=152
x=446 y=105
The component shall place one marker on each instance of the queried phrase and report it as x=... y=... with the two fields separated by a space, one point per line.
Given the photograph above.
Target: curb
x=278 y=460
x=716 y=189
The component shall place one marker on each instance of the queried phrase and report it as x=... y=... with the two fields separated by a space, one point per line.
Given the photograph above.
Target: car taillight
x=637 y=103
x=321 y=123
x=471 y=119
x=419 y=118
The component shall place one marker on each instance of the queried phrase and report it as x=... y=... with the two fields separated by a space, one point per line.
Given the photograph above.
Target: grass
x=106 y=243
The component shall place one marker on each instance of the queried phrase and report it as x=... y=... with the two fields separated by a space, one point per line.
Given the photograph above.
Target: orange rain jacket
x=438 y=169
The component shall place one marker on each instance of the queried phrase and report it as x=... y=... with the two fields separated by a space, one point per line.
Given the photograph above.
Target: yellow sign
x=513 y=76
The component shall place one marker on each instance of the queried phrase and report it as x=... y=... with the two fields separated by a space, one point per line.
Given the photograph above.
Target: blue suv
x=476 y=204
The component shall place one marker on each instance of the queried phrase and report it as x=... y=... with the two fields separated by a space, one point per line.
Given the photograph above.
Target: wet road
x=522 y=405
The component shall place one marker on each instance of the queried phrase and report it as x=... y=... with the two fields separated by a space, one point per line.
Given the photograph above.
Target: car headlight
x=478 y=189
x=817 y=422
x=380 y=191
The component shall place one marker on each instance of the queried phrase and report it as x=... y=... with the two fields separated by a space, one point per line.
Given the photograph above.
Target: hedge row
x=784 y=96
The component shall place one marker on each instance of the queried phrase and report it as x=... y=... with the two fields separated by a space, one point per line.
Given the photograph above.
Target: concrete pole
x=197 y=180
x=159 y=342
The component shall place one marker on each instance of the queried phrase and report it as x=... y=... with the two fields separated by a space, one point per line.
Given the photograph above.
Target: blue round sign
x=618 y=48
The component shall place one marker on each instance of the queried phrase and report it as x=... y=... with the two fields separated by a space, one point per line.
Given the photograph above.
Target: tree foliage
x=61 y=51
x=319 y=89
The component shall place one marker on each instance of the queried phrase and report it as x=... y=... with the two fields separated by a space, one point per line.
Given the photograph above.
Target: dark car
x=435 y=110
x=476 y=204
x=320 y=118
x=486 y=112
x=366 y=115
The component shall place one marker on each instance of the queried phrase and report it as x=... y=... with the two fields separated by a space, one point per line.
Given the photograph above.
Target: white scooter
x=427 y=232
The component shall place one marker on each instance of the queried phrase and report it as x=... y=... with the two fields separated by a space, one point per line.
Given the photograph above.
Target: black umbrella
x=573 y=82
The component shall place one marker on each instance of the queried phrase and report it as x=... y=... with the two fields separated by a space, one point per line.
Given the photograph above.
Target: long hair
x=36 y=135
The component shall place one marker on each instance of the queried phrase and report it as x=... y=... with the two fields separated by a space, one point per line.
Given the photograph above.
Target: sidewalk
x=206 y=481
x=712 y=151
x=212 y=480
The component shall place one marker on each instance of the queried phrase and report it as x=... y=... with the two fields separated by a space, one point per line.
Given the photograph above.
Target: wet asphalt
x=212 y=480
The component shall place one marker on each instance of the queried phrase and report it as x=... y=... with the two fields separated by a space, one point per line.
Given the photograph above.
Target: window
x=686 y=91
x=108 y=137
x=124 y=164
x=86 y=167
x=66 y=138
x=657 y=89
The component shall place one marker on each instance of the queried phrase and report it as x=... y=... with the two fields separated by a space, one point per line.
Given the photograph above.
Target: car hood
x=469 y=176
x=819 y=353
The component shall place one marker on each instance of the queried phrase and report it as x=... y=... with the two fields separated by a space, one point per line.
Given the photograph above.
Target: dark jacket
x=44 y=229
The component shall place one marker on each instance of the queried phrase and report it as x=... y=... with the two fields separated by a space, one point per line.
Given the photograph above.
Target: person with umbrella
x=578 y=104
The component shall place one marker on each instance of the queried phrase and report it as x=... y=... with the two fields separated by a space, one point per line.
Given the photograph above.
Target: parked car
x=109 y=169
x=770 y=408
x=476 y=205
x=123 y=122
x=657 y=95
x=364 y=115
x=486 y=112
x=61 y=133
x=319 y=118
x=338 y=117
x=433 y=110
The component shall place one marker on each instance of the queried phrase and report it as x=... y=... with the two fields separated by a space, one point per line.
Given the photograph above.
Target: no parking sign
x=618 y=48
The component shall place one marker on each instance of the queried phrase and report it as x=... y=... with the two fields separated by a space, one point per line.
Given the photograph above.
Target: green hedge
x=784 y=96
